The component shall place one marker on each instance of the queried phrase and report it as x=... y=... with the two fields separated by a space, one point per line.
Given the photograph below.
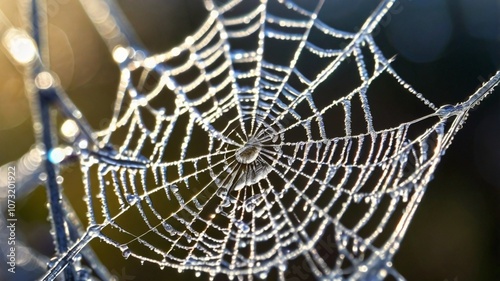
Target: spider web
x=224 y=157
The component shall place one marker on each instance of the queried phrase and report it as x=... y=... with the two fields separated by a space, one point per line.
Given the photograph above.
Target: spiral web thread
x=223 y=157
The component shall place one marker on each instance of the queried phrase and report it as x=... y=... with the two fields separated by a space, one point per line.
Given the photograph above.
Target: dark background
x=445 y=49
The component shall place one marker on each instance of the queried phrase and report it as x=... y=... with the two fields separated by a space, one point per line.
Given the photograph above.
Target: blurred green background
x=445 y=49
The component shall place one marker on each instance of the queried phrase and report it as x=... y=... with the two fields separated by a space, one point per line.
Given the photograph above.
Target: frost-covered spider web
x=224 y=157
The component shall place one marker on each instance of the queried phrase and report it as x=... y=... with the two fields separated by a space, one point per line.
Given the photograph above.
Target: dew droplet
x=382 y=274
x=226 y=202
x=249 y=207
x=319 y=145
x=222 y=192
x=94 y=230
x=132 y=198
x=83 y=275
x=355 y=247
x=357 y=197
x=60 y=179
x=168 y=228
x=448 y=110
x=362 y=248
x=52 y=262
x=404 y=195
x=242 y=226
x=344 y=239
x=140 y=100
x=126 y=254
x=218 y=209
x=125 y=251
x=83 y=144
x=314 y=216
x=77 y=258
